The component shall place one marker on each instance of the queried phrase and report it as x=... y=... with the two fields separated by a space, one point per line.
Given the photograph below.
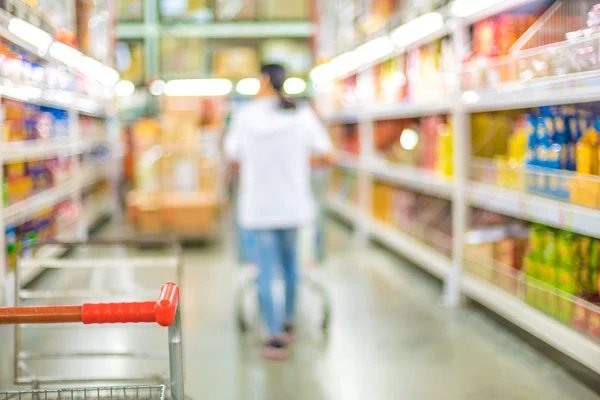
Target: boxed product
x=189 y=214
x=236 y=62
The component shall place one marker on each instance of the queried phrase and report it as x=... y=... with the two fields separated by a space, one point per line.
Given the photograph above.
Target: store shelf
x=240 y=29
x=93 y=215
x=390 y=111
x=494 y=9
x=407 y=246
x=347 y=160
x=92 y=174
x=37 y=94
x=538 y=324
x=21 y=211
x=558 y=214
x=342 y=208
x=566 y=89
x=346 y=116
x=420 y=180
x=411 y=248
x=38 y=149
x=408 y=110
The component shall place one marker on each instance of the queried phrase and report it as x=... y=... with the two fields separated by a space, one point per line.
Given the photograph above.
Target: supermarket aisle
x=390 y=339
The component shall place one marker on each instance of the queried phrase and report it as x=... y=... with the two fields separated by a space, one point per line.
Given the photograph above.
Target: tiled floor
x=390 y=339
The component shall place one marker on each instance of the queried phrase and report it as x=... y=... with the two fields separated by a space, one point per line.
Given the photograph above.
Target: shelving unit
x=465 y=190
x=88 y=94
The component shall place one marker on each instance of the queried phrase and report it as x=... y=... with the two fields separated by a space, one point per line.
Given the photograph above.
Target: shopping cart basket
x=165 y=311
x=93 y=271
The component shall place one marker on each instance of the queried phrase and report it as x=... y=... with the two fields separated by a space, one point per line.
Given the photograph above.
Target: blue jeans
x=274 y=248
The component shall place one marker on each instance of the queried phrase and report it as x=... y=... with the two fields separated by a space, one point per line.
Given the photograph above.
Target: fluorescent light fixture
x=94 y=69
x=198 y=87
x=110 y=77
x=294 y=86
x=124 y=88
x=65 y=54
x=375 y=49
x=321 y=73
x=466 y=8
x=157 y=88
x=344 y=64
x=336 y=68
x=419 y=28
x=32 y=35
x=409 y=139
x=248 y=86
x=90 y=67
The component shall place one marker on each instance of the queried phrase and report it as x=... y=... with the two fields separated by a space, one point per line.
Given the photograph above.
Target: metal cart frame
x=24 y=262
x=165 y=311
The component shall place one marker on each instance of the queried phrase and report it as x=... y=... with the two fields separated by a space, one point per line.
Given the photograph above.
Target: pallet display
x=502 y=139
x=179 y=170
x=60 y=141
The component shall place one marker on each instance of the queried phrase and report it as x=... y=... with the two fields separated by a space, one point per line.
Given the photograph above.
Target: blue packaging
x=545 y=129
x=531 y=130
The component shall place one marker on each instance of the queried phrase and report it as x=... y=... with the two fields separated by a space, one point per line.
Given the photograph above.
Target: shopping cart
x=110 y=271
x=165 y=311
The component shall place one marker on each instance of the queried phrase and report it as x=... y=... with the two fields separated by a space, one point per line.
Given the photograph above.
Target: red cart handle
x=162 y=311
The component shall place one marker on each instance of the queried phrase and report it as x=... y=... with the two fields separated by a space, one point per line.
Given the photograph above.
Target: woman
x=273 y=140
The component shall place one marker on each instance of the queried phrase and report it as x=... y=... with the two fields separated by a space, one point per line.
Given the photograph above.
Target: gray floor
x=390 y=339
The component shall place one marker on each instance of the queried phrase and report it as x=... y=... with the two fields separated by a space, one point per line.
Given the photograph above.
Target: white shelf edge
x=343 y=208
x=22 y=210
x=495 y=9
x=61 y=99
x=94 y=173
x=418 y=179
x=530 y=207
x=411 y=248
x=533 y=321
x=398 y=110
x=348 y=160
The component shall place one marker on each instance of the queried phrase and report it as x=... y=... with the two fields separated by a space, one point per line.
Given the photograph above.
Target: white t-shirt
x=273 y=148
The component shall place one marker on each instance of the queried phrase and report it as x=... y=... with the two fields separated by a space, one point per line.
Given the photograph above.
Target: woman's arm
x=320 y=142
x=233 y=139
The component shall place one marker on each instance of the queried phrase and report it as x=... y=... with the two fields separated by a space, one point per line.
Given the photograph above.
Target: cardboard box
x=189 y=214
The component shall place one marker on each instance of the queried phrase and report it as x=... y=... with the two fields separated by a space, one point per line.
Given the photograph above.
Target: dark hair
x=277 y=76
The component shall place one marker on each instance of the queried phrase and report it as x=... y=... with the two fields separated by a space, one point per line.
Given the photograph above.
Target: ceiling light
x=124 y=88
x=248 y=86
x=294 y=86
x=157 y=88
x=417 y=29
x=65 y=54
x=32 y=35
x=198 y=87
x=375 y=49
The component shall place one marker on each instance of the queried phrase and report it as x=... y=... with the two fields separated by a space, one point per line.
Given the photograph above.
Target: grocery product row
x=62 y=221
x=177 y=169
x=519 y=269
x=510 y=59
